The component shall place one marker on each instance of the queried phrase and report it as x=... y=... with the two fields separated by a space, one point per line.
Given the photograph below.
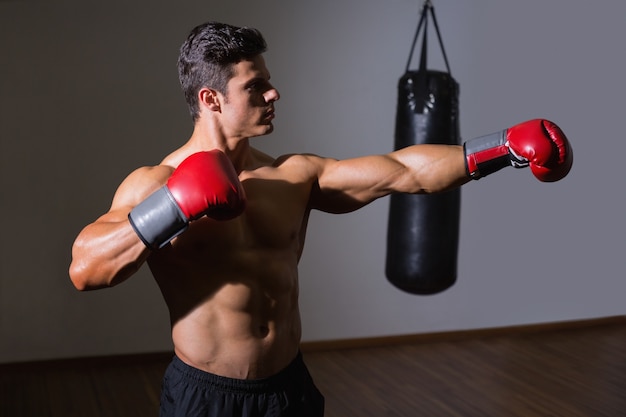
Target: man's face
x=248 y=108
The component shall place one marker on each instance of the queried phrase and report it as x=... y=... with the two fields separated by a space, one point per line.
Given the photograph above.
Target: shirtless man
x=222 y=227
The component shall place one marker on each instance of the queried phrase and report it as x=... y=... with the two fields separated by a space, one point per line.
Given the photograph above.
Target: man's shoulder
x=299 y=159
x=289 y=160
x=150 y=173
x=292 y=167
x=140 y=183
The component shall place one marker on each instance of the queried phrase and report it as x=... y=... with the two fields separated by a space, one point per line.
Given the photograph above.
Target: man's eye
x=258 y=86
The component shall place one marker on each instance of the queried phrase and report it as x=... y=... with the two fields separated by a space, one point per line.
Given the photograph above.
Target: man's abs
x=239 y=319
x=237 y=343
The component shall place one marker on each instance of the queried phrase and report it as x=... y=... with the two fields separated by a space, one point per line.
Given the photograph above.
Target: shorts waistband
x=274 y=382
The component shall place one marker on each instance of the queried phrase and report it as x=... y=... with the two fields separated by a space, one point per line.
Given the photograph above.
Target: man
x=222 y=227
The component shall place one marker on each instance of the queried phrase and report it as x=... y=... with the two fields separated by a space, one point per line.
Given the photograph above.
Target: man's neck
x=237 y=149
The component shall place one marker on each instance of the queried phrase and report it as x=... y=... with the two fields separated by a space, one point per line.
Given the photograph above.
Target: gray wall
x=89 y=92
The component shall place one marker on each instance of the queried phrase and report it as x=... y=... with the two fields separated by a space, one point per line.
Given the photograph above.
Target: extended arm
x=349 y=184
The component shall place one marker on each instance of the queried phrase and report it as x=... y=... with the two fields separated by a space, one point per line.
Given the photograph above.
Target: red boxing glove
x=205 y=183
x=537 y=143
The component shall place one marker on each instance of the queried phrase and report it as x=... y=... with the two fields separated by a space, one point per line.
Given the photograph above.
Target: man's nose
x=272 y=95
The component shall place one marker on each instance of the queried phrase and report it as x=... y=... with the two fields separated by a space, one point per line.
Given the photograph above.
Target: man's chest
x=276 y=211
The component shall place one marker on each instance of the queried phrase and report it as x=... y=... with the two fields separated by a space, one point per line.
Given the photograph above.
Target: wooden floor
x=570 y=373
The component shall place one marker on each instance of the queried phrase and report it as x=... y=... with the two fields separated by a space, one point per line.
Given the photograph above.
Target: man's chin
x=266 y=130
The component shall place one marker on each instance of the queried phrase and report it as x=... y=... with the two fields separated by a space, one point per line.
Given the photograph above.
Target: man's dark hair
x=207 y=57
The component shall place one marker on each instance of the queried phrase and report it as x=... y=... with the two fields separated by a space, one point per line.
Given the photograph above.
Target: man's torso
x=232 y=287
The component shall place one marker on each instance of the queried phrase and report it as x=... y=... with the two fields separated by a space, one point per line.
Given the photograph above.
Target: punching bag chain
x=427 y=7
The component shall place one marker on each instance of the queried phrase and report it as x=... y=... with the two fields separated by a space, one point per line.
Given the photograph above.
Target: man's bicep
x=346 y=185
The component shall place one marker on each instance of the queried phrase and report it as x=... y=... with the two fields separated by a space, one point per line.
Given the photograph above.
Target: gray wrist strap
x=158 y=219
x=483 y=144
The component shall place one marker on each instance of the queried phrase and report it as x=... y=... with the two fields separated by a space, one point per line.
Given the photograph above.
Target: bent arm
x=108 y=251
x=349 y=184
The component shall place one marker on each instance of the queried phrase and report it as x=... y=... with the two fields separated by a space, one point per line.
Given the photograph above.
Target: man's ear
x=209 y=98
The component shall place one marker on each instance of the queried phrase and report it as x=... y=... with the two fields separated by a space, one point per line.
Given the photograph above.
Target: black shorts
x=190 y=392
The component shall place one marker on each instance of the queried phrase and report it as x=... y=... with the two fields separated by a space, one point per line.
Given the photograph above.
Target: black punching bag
x=423 y=230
